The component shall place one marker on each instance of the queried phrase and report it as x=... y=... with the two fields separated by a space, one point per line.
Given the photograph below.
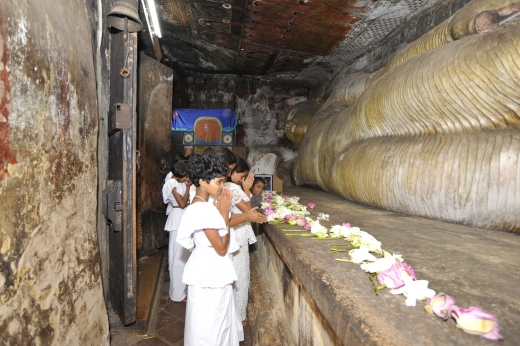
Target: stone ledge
x=475 y=266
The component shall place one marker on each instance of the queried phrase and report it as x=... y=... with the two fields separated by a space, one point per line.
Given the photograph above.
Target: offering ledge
x=301 y=295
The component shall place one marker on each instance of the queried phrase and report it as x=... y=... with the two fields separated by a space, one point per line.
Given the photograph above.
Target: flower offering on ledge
x=389 y=270
x=475 y=321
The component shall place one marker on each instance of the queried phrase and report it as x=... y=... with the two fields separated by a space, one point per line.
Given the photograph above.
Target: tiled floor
x=169 y=328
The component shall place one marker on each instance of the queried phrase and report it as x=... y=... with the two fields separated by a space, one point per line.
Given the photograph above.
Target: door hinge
x=112 y=205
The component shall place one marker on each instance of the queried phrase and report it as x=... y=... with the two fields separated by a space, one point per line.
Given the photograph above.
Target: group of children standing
x=210 y=212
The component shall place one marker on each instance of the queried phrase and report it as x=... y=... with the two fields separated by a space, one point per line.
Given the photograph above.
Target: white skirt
x=177 y=258
x=174 y=219
x=211 y=318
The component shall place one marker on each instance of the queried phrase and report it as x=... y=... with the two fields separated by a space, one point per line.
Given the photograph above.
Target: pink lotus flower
x=408 y=269
x=307 y=226
x=268 y=212
x=346 y=224
x=301 y=222
x=475 y=321
x=290 y=217
x=267 y=199
x=393 y=277
x=311 y=205
x=441 y=306
x=284 y=196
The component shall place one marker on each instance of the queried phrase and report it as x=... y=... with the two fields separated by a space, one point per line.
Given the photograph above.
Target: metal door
x=155 y=94
x=119 y=195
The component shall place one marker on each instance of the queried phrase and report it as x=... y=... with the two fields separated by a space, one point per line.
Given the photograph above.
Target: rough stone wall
x=261 y=105
x=50 y=281
x=294 y=318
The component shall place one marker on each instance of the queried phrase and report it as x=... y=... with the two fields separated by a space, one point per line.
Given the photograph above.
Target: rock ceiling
x=306 y=40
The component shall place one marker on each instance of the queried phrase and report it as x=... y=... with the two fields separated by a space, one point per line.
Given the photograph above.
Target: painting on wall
x=208 y=131
x=203 y=128
x=227 y=139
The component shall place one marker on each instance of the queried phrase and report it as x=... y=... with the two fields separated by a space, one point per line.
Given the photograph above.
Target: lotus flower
x=290 y=217
x=311 y=205
x=391 y=278
x=301 y=222
x=414 y=290
x=475 y=321
x=336 y=230
x=361 y=255
x=278 y=200
x=407 y=268
x=284 y=196
x=440 y=305
x=380 y=265
x=346 y=224
x=307 y=226
x=349 y=232
x=395 y=276
x=268 y=212
x=317 y=228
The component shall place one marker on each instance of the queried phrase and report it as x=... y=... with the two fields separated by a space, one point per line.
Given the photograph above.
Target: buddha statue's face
x=297 y=120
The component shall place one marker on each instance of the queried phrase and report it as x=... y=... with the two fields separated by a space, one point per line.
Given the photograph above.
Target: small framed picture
x=268 y=181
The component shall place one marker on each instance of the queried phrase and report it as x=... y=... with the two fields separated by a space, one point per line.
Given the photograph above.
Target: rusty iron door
x=119 y=195
x=155 y=94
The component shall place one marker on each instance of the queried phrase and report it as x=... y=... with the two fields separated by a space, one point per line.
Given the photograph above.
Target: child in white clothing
x=175 y=193
x=211 y=315
x=241 y=182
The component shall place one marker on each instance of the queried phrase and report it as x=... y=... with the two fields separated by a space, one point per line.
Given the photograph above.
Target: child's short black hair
x=206 y=168
x=208 y=151
x=242 y=165
x=259 y=179
x=179 y=158
x=225 y=154
x=180 y=169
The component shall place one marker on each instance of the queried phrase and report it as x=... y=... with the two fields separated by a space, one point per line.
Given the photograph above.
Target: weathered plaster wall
x=261 y=105
x=294 y=317
x=50 y=282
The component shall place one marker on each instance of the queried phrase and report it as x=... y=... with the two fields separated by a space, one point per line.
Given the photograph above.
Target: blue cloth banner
x=183 y=119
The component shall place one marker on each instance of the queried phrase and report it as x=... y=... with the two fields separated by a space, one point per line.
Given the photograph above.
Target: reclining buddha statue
x=436 y=132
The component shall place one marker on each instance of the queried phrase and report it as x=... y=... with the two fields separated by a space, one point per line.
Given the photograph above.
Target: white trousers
x=211 y=318
x=177 y=258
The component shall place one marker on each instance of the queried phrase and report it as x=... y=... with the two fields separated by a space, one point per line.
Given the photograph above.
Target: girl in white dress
x=211 y=314
x=240 y=185
x=175 y=193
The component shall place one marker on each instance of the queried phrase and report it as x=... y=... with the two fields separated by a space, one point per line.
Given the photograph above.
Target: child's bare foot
x=244 y=322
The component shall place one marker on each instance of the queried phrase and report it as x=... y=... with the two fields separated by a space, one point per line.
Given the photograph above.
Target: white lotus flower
x=278 y=199
x=283 y=212
x=337 y=230
x=352 y=231
x=273 y=217
x=361 y=255
x=414 y=290
x=380 y=265
x=293 y=200
x=317 y=228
